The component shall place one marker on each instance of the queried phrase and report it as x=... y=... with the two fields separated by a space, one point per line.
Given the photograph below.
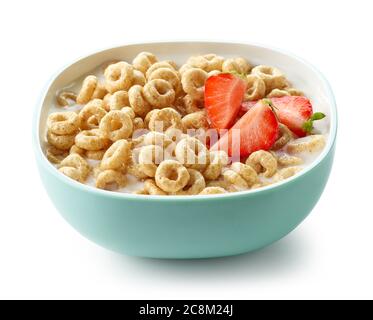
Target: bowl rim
x=40 y=156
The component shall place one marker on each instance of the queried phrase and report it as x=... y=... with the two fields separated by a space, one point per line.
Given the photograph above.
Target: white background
x=328 y=256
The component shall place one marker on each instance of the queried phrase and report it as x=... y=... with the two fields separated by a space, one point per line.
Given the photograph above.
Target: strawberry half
x=223 y=96
x=293 y=111
x=256 y=130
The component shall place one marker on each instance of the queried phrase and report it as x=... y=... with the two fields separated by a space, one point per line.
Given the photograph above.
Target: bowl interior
x=301 y=74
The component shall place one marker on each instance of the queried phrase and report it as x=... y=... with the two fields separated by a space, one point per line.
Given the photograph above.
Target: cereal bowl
x=184 y=227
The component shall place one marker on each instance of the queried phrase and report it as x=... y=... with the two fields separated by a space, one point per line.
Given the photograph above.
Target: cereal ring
x=149 y=158
x=116 y=125
x=174 y=134
x=171 y=176
x=91 y=115
x=287 y=160
x=92 y=140
x=193 y=82
x=212 y=190
x=133 y=167
x=76 y=149
x=168 y=75
x=152 y=189
x=142 y=192
x=138 y=124
x=118 y=76
x=55 y=155
x=95 y=155
x=246 y=172
x=157 y=139
x=106 y=178
x=286 y=173
x=195 y=120
x=256 y=88
x=148 y=117
x=207 y=62
x=158 y=65
x=164 y=119
x=218 y=159
x=294 y=92
x=64 y=97
x=285 y=136
x=143 y=61
x=221 y=183
x=191 y=105
x=130 y=112
x=238 y=65
x=272 y=77
x=213 y=73
x=235 y=180
x=63 y=142
x=117 y=101
x=76 y=161
x=195 y=184
x=91 y=89
x=137 y=101
x=263 y=161
x=309 y=144
x=116 y=157
x=184 y=68
x=159 y=93
x=63 y=123
x=278 y=93
x=71 y=173
x=192 y=153
x=138 y=78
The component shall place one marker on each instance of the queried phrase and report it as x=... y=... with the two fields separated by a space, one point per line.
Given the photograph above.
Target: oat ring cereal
x=91 y=89
x=64 y=97
x=169 y=75
x=116 y=156
x=159 y=93
x=195 y=184
x=285 y=136
x=158 y=65
x=55 y=155
x=212 y=190
x=143 y=61
x=157 y=139
x=164 y=119
x=62 y=142
x=63 y=122
x=195 y=120
x=118 y=100
x=138 y=78
x=91 y=140
x=118 y=76
x=246 y=172
x=71 y=173
x=193 y=82
x=218 y=160
x=137 y=101
x=171 y=176
x=116 y=125
x=207 y=62
x=91 y=115
x=307 y=144
x=272 y=77
x=256 y=88
x=276 y=93
x=237 y=65
x=192 y=153
x=109 y=177
x=149 y=158
x=151 y=188
x=76 y=161
x=263 y=161
x=235 y=180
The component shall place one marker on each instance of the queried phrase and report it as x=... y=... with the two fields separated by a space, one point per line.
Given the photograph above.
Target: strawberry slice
x=293 y=111
x=256 y=130
x=223 y=96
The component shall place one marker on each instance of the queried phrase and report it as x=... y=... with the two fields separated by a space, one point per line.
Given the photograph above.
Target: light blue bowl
x=190 y=227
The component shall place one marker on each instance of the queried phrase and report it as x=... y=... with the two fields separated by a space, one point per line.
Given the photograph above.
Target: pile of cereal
x=150 y=121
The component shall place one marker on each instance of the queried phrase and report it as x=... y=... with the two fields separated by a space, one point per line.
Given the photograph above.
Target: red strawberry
x=223 y=96
x=293 y=111
x=245 y=106
x=256 y=130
